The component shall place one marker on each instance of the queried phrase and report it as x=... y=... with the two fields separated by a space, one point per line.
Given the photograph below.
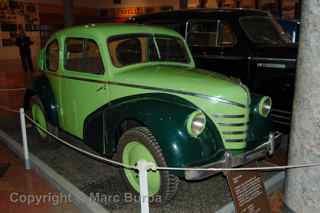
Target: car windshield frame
x=153 y=46
x=260 y=35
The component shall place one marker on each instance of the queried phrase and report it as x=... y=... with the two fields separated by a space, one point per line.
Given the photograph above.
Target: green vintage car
x=133 y=92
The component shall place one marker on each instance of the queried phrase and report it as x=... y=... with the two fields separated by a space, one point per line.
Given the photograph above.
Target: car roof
x=201 y=13
x=108 y=30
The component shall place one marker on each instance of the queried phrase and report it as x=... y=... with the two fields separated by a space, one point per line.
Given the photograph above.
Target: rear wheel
x=139 y=144
x=39 y=116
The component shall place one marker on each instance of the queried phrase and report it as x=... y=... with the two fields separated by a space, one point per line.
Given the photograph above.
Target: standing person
x=23 y=42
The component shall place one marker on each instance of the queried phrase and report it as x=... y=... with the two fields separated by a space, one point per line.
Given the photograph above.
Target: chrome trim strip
x=275 y=59
x=232 y=124
x=234 y=140
x=233 y=132
x=228 y=116
x=272 y=65
x=279 y=116
x=281 y=122
x=212 y=98
x=281 y=111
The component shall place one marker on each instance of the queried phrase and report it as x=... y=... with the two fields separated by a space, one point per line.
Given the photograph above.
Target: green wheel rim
x=132 y=153
x=39 y=118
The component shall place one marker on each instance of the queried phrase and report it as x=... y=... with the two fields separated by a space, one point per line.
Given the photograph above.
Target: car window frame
x=46 y=56
x=82 y=71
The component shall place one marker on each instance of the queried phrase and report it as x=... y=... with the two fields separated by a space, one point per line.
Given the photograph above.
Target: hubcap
x=39 y=118
x=132 y=153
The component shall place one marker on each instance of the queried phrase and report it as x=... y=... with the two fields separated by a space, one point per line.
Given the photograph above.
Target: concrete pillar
x=303 y=185
x=68 y=16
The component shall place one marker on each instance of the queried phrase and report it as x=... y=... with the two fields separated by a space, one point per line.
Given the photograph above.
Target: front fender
x=166 y=116
x=42 y=88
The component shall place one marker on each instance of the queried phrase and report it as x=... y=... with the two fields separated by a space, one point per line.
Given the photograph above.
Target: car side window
x=228 y=37
x=203 y=34
x=52 y=56
x=82 y=55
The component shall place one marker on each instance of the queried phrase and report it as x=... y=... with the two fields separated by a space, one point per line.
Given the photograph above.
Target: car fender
x=166 y=116
x=42 y=88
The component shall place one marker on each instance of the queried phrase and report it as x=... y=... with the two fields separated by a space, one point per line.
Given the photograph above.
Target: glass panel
x=132 y=50
x=136 y=49
x=228 y=36
x=52 y=56
x=172 y=50
x=203 y=34
x=83 y=55
x=264 y=30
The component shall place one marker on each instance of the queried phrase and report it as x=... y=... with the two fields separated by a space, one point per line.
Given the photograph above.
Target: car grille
x=233 y=128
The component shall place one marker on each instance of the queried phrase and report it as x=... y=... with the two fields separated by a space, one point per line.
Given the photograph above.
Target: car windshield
x=135 y=49
x=264 y=30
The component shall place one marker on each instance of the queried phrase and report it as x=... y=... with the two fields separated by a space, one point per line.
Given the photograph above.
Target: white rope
x=12 y=89
x=9 y=110
x=267 y=168
x=81 y=150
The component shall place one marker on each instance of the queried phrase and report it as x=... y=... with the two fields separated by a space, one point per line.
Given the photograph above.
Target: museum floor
x=16 y=184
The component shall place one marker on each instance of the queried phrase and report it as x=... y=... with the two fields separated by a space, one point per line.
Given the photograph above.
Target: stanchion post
x=143 y=167
x=24 y=139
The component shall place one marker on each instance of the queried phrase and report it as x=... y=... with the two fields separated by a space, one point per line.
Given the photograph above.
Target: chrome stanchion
x=24 y=139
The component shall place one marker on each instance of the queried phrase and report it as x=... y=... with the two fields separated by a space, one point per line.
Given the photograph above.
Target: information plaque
x=248 y=192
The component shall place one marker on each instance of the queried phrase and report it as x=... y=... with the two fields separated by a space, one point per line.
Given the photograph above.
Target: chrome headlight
x=196 y=123
x=265 y=106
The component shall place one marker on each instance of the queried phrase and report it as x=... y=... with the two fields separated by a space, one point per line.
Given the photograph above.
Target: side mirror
x=41 y=59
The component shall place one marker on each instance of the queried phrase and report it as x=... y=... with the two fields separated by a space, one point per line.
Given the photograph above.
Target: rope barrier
x=12 y=89
x=8 y=110
x=81 y=150
x=155 y=167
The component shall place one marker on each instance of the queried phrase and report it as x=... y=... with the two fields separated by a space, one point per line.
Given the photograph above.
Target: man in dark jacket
x=24 y=43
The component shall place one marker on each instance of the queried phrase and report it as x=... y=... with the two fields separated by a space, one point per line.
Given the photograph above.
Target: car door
x=84 y=88
x=215 y=46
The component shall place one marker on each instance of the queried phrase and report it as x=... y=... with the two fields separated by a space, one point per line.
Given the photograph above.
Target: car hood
x=184 y=80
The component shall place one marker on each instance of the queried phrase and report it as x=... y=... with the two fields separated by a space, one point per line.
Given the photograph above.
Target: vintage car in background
x=292 y=28
x=243 y=43
x=121 y=90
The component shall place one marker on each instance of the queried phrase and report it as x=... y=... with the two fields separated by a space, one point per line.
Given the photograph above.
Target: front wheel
x=39 y=116
x=139 y=144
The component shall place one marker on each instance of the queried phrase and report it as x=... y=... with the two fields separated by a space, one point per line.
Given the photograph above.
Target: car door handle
x=101 y=88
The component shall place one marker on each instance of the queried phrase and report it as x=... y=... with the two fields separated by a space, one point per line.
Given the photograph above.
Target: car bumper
x=237 y=160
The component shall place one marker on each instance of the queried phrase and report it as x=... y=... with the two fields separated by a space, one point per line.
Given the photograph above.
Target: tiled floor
x=18 y=186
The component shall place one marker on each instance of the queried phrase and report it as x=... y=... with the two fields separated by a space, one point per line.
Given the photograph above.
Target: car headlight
x=265 y=106
x=196 y=123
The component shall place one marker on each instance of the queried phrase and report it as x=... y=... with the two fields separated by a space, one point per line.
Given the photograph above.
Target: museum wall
x=13 y=16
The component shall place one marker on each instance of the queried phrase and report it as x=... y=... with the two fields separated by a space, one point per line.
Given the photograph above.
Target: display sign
x=127 y=12
x=248 y=192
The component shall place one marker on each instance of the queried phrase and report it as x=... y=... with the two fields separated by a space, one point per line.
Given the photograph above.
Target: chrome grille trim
x=233 y=132
x=228 y=116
